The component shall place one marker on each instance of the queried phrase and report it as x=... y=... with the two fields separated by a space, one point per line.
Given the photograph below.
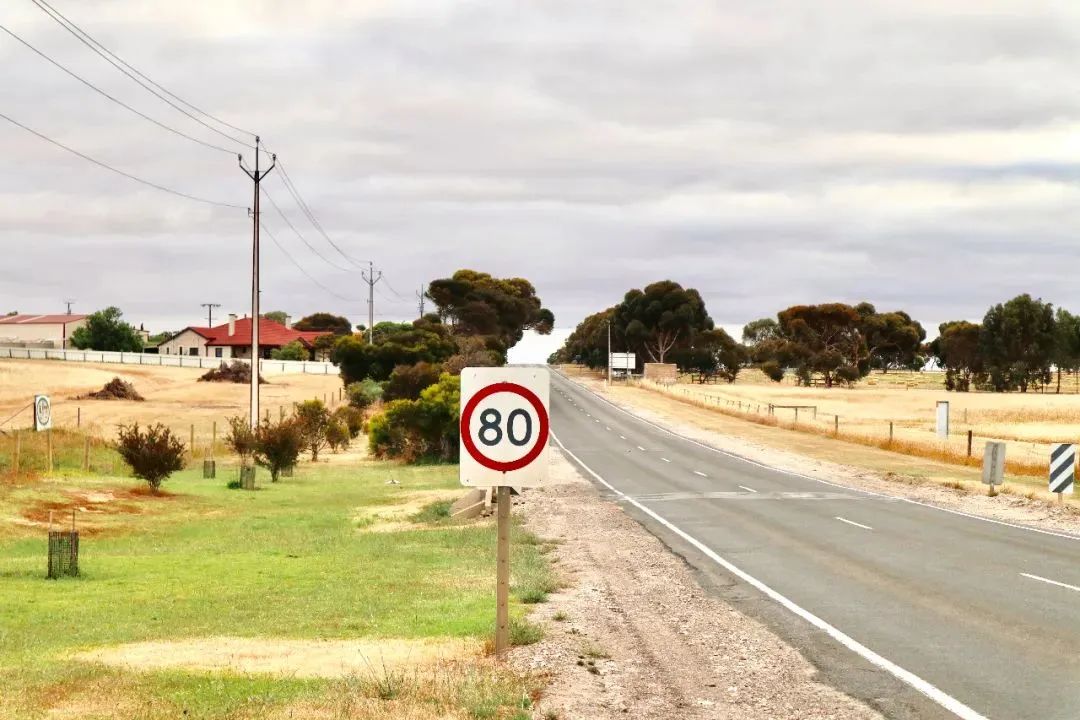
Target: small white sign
x=42 y=412
x=504 y=426
x=623 y=361
x=943 y=419
x=994 y=463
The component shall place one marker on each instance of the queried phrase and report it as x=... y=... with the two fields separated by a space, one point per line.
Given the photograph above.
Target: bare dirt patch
x=396 y=517
x=634 y=635
x=293 y=658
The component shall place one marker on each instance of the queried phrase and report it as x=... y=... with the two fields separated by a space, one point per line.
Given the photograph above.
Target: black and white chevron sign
x=1062 y=464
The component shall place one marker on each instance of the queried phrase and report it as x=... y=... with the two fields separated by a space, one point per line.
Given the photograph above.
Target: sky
x=919 y=155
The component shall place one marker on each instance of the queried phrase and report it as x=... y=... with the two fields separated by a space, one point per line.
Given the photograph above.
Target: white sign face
x=623 y=361
x=504 y=426
x=943 y=419
x=994 y=463
x=42 y=412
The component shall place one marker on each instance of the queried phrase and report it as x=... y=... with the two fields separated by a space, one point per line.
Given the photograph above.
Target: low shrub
x=292 y=351
x=352 y=418
x=153 y=455
x=241 y=439
x=277 y=445
x=337 y=435
x=364 y=394
x=420 y=430
x=314 y=421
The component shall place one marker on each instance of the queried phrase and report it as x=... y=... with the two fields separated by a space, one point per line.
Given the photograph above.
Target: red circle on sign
x=470 y=408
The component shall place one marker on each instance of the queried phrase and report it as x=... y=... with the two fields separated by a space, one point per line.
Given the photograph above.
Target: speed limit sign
x=504 y=426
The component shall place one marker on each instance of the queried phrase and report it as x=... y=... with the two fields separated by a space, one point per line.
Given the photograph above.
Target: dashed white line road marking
x=597 y=419
x=607 y=428
x=622 y=437
x=1051 y=582
x=665 y=459
x=641 y=448
x=698 y=472
x=748 y=489
x=928 y=689
x=850 y=522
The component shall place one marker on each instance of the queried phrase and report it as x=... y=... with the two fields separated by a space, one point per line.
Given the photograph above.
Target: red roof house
x=233 y=339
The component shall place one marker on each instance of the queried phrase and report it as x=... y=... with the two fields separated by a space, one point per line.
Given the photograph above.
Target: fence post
x=86 y=455
x=796 y=416
x=969 y=441
x=78 y=417
x=890 y=433
x=836 y=425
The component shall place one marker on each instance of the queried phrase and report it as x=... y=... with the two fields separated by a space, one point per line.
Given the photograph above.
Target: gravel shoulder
x=855 y=466
x=633 y=634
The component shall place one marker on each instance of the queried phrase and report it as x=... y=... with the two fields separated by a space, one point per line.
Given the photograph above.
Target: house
x=50 y=331
x=233 y=339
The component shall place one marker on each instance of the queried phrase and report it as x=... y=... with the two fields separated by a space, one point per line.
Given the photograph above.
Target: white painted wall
x=39 y=332
x=183 y=343
x=266 y=367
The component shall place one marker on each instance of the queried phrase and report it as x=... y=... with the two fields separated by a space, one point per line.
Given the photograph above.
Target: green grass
x=286 y=561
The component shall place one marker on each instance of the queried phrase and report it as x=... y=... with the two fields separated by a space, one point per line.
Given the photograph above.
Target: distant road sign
x=504 y=426
x=42 y=412
x=1062 y=468
x=624 y=361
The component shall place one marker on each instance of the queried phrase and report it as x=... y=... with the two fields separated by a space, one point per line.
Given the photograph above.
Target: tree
x=294 y=350
x=403 y=345
x=408 y=381
x=822 y=339
x=757 y=331
x=364 y=393
x=1066 y=343
x=324 y=321
x=153 y=455
x=661 y=317
x=422 y=429
x=278 y=316
x=277 y=445
x=588 y=344
x=1018 y=342
x=314 y=421
x=714 y=354
x=956 y=349
x=241 y=439
x=475 y=303
x=472 y=352
x=105 y=330
x=893 y=339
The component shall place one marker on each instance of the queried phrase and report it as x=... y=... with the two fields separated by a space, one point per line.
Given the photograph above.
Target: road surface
x=921 y=612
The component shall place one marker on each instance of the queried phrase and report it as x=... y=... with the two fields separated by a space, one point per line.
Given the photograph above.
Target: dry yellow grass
x=173 y=395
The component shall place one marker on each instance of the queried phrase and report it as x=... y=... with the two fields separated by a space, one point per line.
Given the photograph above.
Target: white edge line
x=665 y=460
x=748 y=489
x=817 y=479
x=698 y=472
x=941 y=698
x=852 y=522
x=1048 y=580
x=641 y=448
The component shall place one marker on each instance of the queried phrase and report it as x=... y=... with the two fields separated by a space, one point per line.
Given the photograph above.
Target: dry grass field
x=1029 y=422
x=173 y=396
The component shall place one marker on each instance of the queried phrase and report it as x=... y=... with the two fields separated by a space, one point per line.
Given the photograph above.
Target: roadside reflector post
x=1062 y=470
x=502 y=571
x=993 y=465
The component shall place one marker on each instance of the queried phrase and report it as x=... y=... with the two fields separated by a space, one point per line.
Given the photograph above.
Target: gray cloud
x=920 y=155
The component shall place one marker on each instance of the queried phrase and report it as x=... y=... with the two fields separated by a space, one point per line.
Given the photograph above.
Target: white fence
x=266 y=367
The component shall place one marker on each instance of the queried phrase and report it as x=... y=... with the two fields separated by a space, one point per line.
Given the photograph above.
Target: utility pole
x=69 y=303
x=609 y=353
x=210 y=312
x=256 y=178
x=420 y=297
x=371 y=277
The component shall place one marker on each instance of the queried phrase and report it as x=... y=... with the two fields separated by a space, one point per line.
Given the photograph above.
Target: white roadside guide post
x=504 y=439
x=943 y=419
x=994 y=465
x=1062 y=470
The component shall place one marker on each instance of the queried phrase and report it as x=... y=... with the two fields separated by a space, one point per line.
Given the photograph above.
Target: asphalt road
x=921 y=612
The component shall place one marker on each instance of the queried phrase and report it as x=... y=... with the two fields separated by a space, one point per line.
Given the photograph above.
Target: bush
x=293 y=351
x=236 y=372
x=277 y=445
x=423 y=429
x=153 y=455
x=352 y=418
x=408 y=381
x=337 y=435
x=364 y=394
x=314 y=421
x=773 y=370
x=241 y=439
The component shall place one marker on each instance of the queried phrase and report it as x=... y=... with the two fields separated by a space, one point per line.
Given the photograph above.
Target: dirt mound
x=235 y=372
x=115 y=389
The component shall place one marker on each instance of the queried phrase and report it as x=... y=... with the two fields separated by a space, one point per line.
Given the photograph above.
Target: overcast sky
x=920 y=155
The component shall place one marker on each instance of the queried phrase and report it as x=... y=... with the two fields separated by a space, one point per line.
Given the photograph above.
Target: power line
x=114 y=99
x=395 y=291
x=300 y=235
x=291 y=187
x=110 y=168
x=149 y=85
x=301 y=267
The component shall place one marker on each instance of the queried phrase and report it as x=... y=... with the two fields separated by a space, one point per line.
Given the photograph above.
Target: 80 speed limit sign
x=504 y=426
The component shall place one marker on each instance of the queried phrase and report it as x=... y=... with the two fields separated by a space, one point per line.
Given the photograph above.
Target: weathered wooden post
x=890 y=433
x=836 y=425
x=969 y=442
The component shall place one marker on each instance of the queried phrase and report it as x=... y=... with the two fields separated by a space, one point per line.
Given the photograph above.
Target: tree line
x=1020 y=344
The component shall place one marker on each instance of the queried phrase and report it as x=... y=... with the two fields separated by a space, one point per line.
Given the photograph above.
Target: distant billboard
x=623 y=361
